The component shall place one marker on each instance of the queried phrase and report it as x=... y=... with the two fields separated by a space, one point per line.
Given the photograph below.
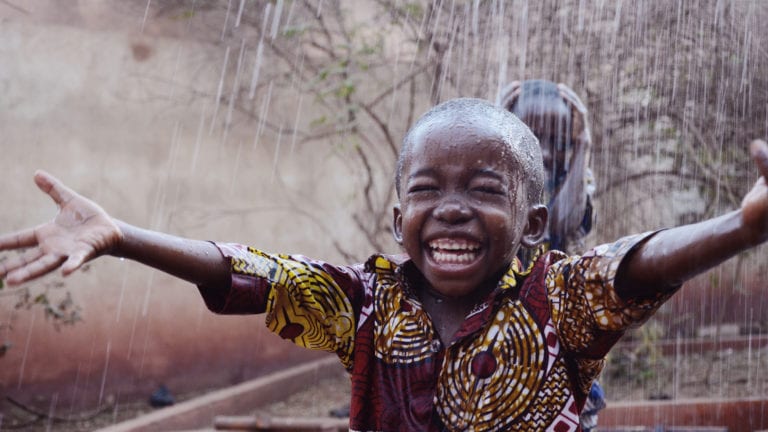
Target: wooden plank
x=263 y=423
x=735 y=415
x=240 y=398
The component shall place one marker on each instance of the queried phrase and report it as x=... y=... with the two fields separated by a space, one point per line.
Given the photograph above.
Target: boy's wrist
x=119 y=247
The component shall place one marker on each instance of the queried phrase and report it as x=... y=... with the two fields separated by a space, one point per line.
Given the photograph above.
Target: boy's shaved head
x=522 y=142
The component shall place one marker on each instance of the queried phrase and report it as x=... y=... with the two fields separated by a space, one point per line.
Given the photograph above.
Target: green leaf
x=413 y=9
x=318 y=121
x=294 y=31
x=185 y=14
x=345 y=90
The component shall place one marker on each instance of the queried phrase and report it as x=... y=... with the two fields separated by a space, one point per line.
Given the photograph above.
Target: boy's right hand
x=754 y=206
x=81 y=231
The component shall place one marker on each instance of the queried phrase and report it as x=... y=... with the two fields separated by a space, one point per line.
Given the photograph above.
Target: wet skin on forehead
x=463 y=206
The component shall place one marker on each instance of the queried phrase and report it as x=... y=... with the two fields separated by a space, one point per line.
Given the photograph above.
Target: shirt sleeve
x=312 y=303
x=587 y=311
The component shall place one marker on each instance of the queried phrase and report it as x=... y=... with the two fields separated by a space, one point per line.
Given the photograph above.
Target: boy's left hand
x=754 y=206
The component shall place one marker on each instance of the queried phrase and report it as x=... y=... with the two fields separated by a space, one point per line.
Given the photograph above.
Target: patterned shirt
x=523 y=359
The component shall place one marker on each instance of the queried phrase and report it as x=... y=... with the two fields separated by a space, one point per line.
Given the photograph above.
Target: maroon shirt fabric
x=522 y=360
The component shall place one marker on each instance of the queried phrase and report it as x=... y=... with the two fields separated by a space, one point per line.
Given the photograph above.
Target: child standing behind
x=558 y=118
x=453 y=334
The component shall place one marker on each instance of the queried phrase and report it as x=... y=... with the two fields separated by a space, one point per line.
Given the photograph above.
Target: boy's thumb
x=74 y=262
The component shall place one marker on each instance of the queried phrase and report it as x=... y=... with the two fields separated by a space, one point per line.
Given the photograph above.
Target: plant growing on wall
x=58 y=306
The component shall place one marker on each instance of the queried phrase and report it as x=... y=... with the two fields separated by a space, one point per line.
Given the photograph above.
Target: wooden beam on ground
x=240 y=398
x=263 y=423
x=735 y=415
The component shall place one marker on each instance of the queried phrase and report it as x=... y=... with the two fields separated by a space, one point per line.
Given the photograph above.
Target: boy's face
x=463 y=208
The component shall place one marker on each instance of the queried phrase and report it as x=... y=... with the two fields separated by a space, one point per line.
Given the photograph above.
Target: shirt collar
x=401 y=268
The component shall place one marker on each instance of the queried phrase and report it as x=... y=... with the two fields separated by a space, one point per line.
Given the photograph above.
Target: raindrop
x=147 y=294
x=394 y=84
x=233 y=94
x=51 y=412
x=116 y=408
x=277 y=154
x=276 y=19
x=74 y=389
x=503 y=52
x=219 y=91
x=262 y=116
x=122 y=294
x=198 y=140
x=289 y=17
x=240 y=13
x=237 y=166
x=104 y=374
x=296 y=123
x=226 y=20
x=133 y=331
x=26 y=349
x=259 y=53
x=749 y=351
x=146 y=14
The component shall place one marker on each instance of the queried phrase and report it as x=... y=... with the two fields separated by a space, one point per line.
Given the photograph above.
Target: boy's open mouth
x=453 y=251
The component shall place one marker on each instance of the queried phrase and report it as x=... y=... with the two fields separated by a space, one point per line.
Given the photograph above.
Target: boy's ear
x=536 y=226
x=397 y=224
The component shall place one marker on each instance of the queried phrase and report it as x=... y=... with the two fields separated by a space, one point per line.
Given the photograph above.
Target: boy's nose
x=452 y=210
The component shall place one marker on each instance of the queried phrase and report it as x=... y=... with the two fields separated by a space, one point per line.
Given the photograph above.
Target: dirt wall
x=125 y=111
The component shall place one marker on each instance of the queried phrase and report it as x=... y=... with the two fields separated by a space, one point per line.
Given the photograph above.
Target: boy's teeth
x=453 y=245
x=449 y=251
x=453 y=257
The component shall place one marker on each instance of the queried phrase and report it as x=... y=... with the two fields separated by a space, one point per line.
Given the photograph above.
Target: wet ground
x=727 y=373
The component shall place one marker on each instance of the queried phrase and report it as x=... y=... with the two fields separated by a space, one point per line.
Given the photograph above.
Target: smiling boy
x=452 y=335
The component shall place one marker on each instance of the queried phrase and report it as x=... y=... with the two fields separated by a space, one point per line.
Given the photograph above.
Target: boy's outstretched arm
x=82 y=231
x=673 y=256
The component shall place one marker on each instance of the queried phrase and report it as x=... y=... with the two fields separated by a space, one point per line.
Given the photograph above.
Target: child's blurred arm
x=82 y=231
x=673 y=256
x=568 y=205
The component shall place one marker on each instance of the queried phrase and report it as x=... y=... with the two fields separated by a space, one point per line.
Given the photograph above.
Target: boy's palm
x=80 y=232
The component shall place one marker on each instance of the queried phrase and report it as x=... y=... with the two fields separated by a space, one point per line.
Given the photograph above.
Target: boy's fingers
x=21 y=239
x=759 y=151
x=74 y=262
x=16 y=262
x=44 y=265
x=53 y=187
